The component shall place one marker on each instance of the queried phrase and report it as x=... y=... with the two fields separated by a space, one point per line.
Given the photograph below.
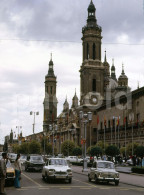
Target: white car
x=57 y=168
x=72 y=159
x=103 y=171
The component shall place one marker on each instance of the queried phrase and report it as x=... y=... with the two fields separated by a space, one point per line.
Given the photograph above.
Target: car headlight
x=69 y=171
x=51 y=170
x=117 y=175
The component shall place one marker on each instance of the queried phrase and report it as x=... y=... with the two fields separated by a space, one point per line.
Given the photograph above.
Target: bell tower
x=50 y=100
x=92 y=69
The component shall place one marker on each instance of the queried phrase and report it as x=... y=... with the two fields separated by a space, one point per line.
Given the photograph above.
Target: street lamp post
x=85 y=117
x=131 y=118
x=35 y=113
x=53 y=128
x=18 y=127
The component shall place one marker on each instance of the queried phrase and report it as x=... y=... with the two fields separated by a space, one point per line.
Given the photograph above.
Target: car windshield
x=57 y=162
x=36 y=158
x=105 y=165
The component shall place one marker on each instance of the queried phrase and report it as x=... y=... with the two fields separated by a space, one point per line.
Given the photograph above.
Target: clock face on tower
x=94 y=99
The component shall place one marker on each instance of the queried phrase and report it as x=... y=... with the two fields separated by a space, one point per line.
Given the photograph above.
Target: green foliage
x=96 y=151
x=16 y=148
x=139 y=151
x=129 y=148
x=122 y=151
x=48 y=148
x=101 y=145
x=112 y=150
x=67 y=147
x=137 y=170
x=77 y=151
x=34 y=147
x=24 y=148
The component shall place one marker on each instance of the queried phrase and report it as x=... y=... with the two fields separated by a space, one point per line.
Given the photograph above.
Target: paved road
x=32 y=183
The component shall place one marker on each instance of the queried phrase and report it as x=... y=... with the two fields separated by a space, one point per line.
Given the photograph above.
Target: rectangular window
x=94 y=85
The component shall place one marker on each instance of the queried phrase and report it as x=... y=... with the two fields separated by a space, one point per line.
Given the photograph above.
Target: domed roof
x=112 y=84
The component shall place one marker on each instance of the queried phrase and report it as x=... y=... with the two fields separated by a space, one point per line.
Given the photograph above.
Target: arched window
x=87 y=51
x=94 y=85
x=94 y=51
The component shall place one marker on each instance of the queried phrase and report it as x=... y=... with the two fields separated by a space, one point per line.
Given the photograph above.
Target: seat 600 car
x=103 y=171
x=57 y=168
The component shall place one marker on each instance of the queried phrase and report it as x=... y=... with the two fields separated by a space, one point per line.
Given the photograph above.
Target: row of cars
x=60 y=168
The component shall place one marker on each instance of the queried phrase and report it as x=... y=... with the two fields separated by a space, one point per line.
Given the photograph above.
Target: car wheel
x=96 y=179
x=70 y=180
x=116 y=183
x=43 y=177
x=26 y=168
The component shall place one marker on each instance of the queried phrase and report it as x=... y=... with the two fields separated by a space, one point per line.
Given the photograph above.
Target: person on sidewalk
x=3 y=172
x=17 y=166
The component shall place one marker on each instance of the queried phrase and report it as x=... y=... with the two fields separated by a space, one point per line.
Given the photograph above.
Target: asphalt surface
x=32 y=183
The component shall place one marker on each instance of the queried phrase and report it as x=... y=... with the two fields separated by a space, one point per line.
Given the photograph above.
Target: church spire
x=91 y=20
x=113 y=75
x=51 y=64
x=105 y=59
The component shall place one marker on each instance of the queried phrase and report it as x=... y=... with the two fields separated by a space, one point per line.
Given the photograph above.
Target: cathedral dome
x=112 y=84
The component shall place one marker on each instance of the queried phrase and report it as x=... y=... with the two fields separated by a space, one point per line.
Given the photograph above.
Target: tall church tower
x=50 y=100
x=92 y=69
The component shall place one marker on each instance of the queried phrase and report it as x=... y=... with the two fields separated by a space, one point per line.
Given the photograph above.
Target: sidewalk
x=126 y=177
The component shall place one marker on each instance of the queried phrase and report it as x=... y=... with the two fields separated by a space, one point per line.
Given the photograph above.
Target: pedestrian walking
x=3 y=172
x=17 y=165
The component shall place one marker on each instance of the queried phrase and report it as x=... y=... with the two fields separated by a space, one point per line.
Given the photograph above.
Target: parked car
x=57 y=168
x=129 y=162
x=88 y=159
x=34 y=162
x=72 y=159
x=10 y=173
x=103 y=171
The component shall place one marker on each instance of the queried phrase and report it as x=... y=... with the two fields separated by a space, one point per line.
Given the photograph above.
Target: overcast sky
x=31 y=29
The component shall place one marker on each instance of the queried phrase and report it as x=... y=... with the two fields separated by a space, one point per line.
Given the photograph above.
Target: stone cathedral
x=117 y=112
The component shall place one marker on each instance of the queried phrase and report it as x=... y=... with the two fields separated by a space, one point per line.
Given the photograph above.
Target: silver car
x=57 y=168
x=103 y=171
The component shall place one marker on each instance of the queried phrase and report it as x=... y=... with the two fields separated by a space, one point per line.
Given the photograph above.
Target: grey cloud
x=63 y=20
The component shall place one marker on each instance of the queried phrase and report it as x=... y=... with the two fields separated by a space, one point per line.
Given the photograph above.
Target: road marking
x=86 y=183
x=31 y=180
x=44 y=188
x=85 y=188
x=124 y=189
x=65 y=188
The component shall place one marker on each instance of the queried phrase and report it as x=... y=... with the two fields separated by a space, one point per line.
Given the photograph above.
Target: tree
x=122 y=151
x=24 y=148
x=112 y=151
x=67 y=147
x=139 y=151
x=129 y=148
x=101 y=145
x=48 y=148
x=77 y=151
x=96 y=151
x=34 y=147
x=16 y=148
